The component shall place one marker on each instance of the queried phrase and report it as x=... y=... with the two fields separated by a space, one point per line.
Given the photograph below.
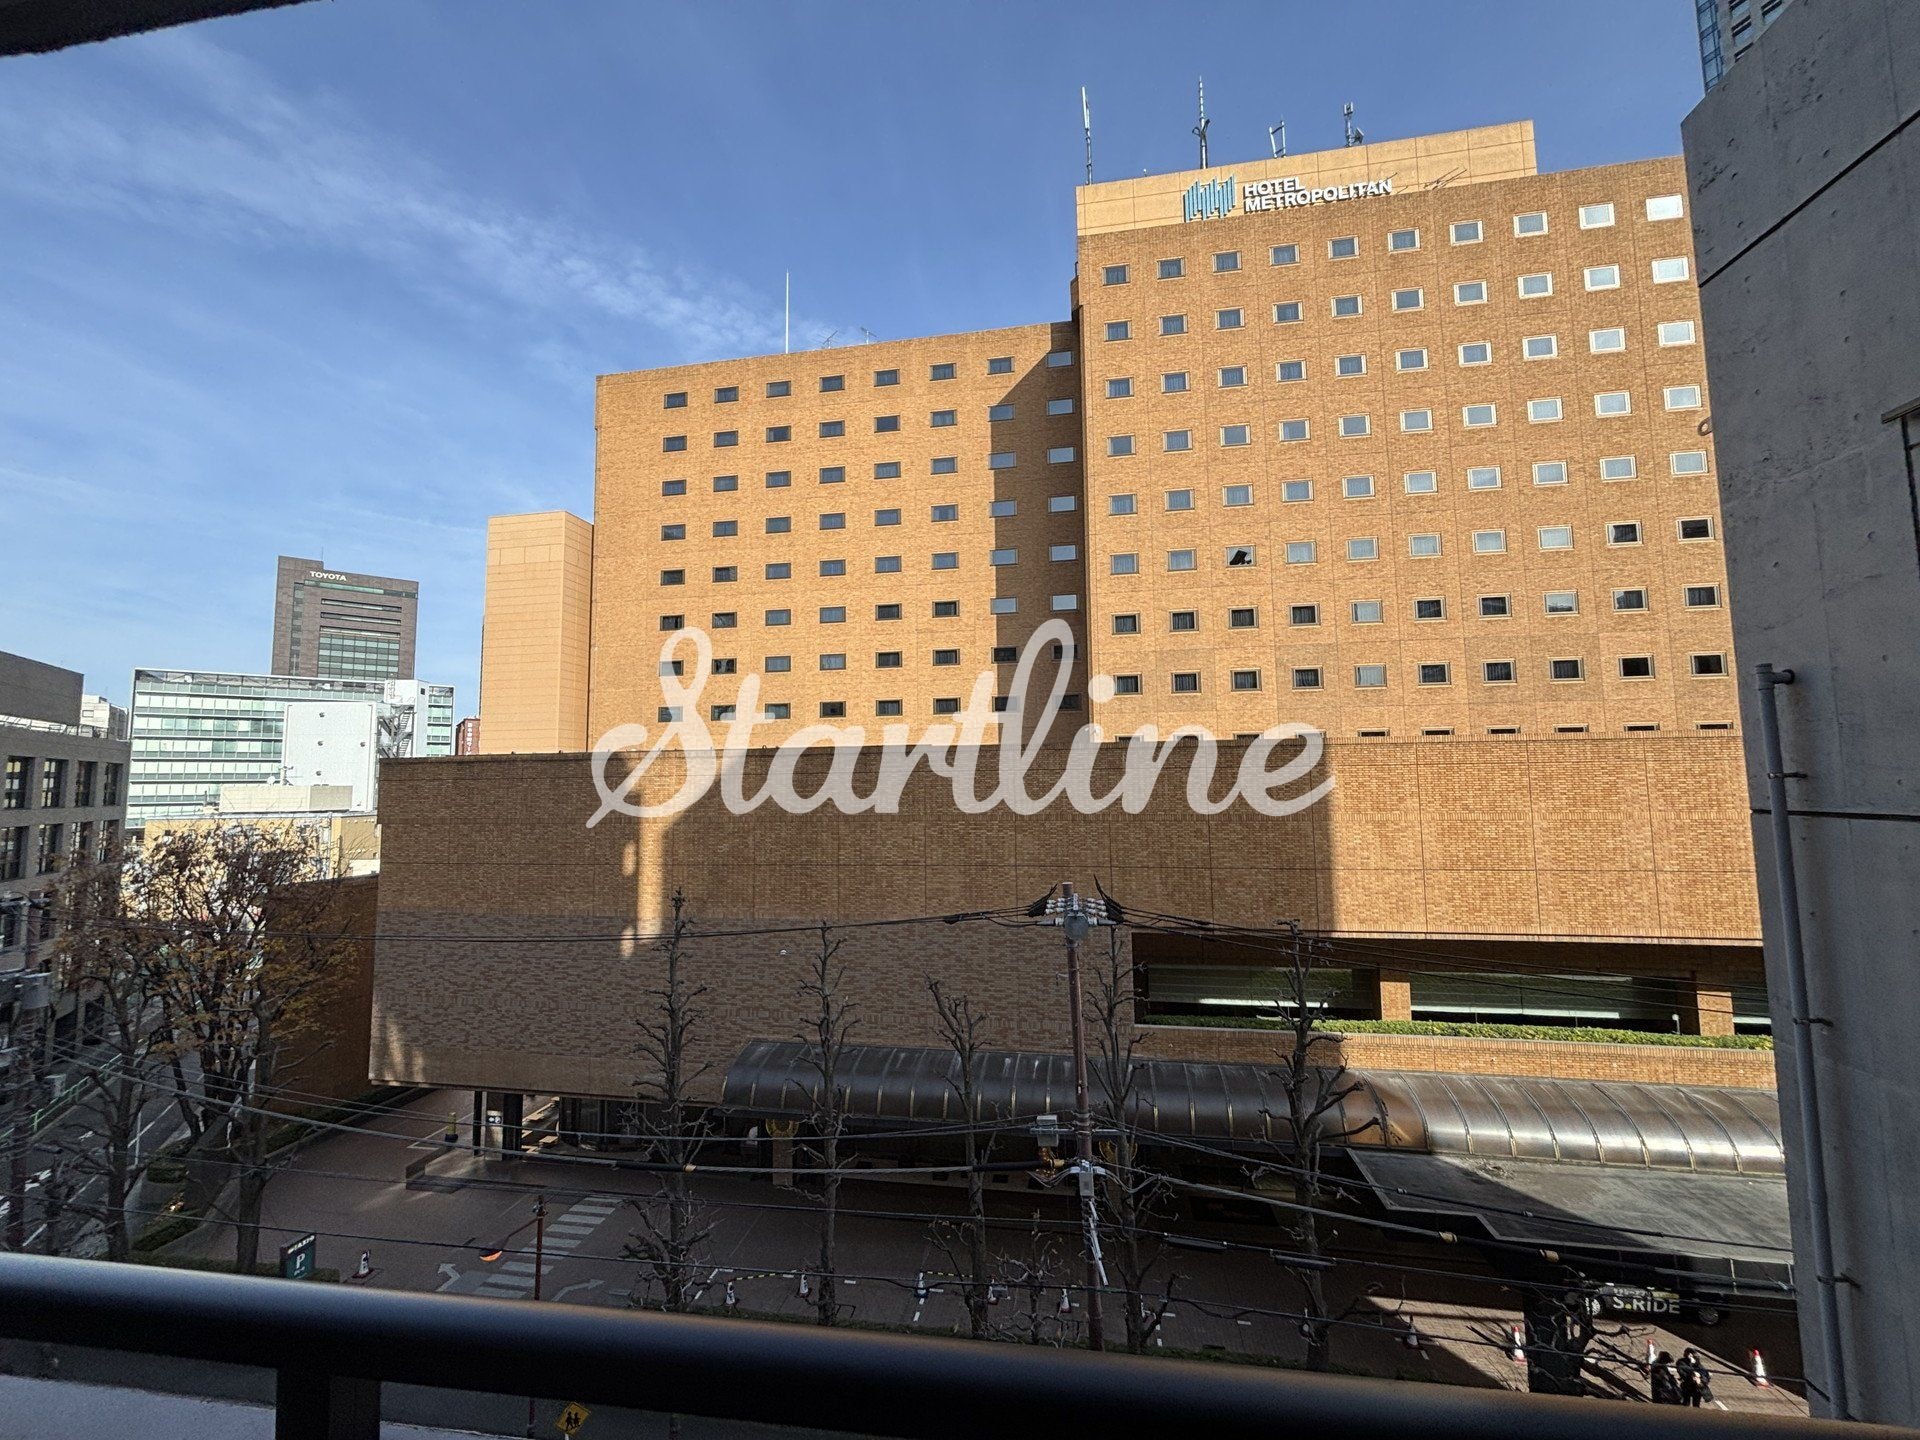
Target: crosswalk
x=513 y=1279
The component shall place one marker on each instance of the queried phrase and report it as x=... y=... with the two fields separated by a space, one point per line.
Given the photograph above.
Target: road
x=348 y=1189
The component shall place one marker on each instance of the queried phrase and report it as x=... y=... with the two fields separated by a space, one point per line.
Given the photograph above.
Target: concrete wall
x=1805 y=171
x=534 y=639
x=35 y=690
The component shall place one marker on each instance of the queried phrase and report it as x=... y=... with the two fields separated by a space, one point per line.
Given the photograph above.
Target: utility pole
x=1076 y=921
x=26 y=1039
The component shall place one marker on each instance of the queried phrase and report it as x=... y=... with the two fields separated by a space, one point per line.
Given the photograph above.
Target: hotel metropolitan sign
x=1210 y=199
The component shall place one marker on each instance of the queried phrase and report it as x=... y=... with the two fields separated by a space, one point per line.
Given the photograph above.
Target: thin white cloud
x=234 y=154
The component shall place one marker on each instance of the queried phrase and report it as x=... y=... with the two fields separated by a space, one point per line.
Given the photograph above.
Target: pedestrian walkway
x=512 y=1277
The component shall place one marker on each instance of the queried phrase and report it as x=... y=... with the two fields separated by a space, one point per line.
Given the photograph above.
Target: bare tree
x=672 y=1228
x=1316 y=1085
x=965 y=1243
x=245 y=942
x=1033 y=1276
x=828 y=1024
x=103 y=956
x=1133 y=1195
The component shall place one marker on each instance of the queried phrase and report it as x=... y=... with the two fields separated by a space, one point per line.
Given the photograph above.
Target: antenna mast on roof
x=1086 y=128
x=1277 y=138
x=786 y=342
x=1201 y=128
x=1355 y=135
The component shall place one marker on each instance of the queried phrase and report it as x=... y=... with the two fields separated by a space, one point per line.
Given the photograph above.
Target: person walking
x=1664 y=1380
x=1696 y=1387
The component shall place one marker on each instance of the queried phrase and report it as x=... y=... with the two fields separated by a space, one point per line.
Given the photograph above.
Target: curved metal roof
x=1668 y=1127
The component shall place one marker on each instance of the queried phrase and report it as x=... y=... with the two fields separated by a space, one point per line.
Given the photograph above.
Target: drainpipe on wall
x=1827 y=1281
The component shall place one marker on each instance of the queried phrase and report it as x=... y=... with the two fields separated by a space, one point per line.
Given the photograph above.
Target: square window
x=1676 y=332
x=1423 y=547
x=1476 y=352
x=1603 y=277
x=1532 y=287
x=1182 y=560
x=1421 y=482
x=1306 y=677
x=1665 y=207
x=1296 y=490
x=1246 y=680
x=1489 y=542
x=1435 y=609
x=1346 y=305
x=1370 y=677
x=1596 y=217
x=1607 y=341
x=1612 y=402
x=1343 y=247
x=1416 y=422
x=1287 y=312
x=1174 y=441
x=1173 y=324
x=1126 y=624
x=1119 y=330
x=1367 y=612
x=1483 y=477
x=1284 y=255
x=1464 y=232
x=1114 y=275
x=1681 y=397
x=1183 y=621
x=1532 y=223
x=1225 y=260
x=1687 y=462
x=1172 y=269
x=1303 y=614
x=1670 y=269
x=1408 y=299
x=1350 y=365
x=1228 y=319
x=1433 y=674
x=1363 y=547
x=1630 y=599
x=1186 y=682
x=1242 y=618
x=1403 y=240
x=1357 y=487
x=1174 y=382
x=1618 y=467
x=1623 y=532
x=1708 y=664
x=1497 y=672
x=1289 y=370
x=1120 y=387
x=1120 y=504
x=1565 y=669
x=1234 y=495
x=1544 y=411
x=1354 y=426
x=1636 y=667
x=1126 y=684
x=1470 y=292
x=1556 y=537
x=1549 y=472
x=1119 y=445
x=1179 y=499
x=1410 y=360
x=1232 y=377
x=1495 y=607
x=1477 y=416
x=1540 y=347
x=1293 y=429
x=1300 y=552
x=1231 y=435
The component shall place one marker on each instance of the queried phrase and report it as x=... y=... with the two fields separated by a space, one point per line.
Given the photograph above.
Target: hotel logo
x=1210 y=199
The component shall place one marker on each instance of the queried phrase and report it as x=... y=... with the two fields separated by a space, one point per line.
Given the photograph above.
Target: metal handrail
x=332 y=1345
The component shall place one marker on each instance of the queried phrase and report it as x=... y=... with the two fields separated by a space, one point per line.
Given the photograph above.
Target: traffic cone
x=1066 y=1304
x=1759 y=1375
x=805 y=1288
x=1413 y=1337
x=366 y=1265
x=1653 y=1353
x=1519 y=1347
x=731 y=1299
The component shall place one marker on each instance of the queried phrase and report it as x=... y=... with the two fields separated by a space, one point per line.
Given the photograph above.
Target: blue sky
x=337 y=279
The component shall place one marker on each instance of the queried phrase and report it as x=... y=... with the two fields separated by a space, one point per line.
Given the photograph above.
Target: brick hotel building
x=1406 y=441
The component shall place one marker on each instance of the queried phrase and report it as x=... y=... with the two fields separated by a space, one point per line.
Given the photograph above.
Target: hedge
x=1475 y=1030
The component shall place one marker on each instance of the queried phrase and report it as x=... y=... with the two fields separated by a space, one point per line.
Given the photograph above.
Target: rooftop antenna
x=786 y=342
x=868 y=336
x=1086 y=128
x=1355 y=135
x=826 y=340
x=1201 y=128
x=1277 y=138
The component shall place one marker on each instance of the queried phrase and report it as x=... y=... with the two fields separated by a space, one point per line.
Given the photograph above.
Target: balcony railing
x=333 y=1346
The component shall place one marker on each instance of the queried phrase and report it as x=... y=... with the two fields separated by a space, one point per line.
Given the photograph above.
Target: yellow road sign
x=572 y=1418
